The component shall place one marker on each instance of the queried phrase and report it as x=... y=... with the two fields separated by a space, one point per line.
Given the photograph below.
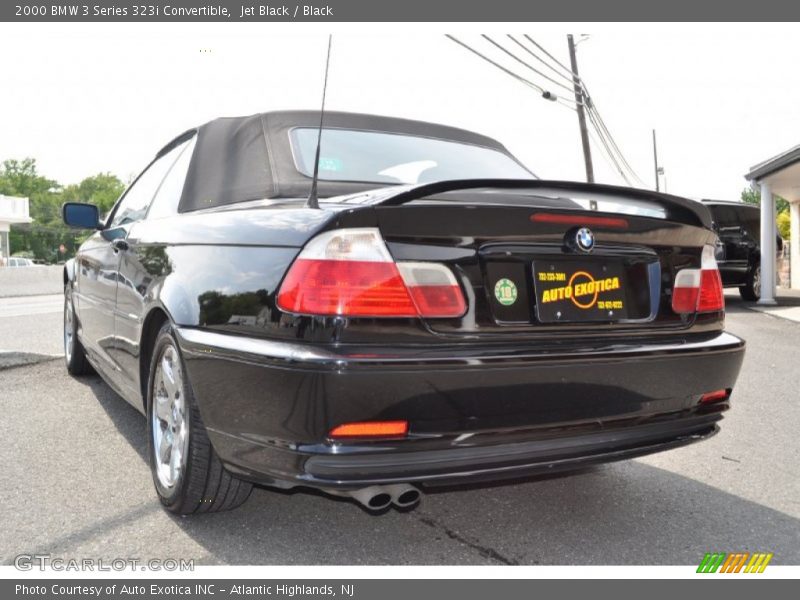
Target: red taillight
x=371 y=429
x=684 y=299
x=711 y=298
x=699 y=290
x=340 y=287
x=438 y=300
x=434 y=289
x=349 y=272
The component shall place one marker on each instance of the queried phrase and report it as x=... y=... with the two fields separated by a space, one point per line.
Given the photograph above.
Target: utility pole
x=655 y=160
x=580 y=100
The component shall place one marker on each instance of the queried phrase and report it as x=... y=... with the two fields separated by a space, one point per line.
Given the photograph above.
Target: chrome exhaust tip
x=377 y=498
x=403 y=495
x=373 y=498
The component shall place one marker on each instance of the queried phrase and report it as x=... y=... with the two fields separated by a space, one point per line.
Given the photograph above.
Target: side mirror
x=82 y=216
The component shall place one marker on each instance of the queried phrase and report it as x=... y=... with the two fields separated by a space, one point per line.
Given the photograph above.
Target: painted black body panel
x=485 y=396
x=274 y=420
x=219 y=270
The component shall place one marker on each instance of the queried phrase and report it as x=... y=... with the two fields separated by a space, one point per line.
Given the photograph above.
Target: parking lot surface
x=75 y=484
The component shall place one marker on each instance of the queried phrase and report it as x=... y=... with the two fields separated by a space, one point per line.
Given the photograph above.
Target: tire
x=74 y=354
x=751 y=290
x=197 y=482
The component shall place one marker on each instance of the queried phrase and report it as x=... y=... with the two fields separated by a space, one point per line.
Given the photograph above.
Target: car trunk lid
x=553 y=258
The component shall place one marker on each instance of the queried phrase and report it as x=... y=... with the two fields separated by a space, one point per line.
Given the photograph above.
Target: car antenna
x=313 y=201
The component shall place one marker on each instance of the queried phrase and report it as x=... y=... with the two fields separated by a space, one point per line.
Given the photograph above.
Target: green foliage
x=19 y=178
x=784 y=225
x=753 y=196
x=102 y=190
x=47 y=233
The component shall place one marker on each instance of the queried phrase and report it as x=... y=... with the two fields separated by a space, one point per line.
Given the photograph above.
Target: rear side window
x=726 y=217
x=751 y=222
x=168 y=196
x=136 y=200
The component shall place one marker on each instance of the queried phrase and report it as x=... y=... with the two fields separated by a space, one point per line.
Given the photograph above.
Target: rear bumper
x=503 y=461
x=474 y=413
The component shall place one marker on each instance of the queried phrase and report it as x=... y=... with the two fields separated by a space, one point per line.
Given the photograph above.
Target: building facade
x=778 y=176
x=12 y=210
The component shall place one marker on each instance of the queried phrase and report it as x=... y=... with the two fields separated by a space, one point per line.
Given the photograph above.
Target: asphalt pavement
x=75 y=483
x=32 y=324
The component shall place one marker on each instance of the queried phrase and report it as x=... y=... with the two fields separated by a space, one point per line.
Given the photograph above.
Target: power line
x=603 y=131
x=573 y=78
x=550 y=56
x=539 y=58
x=601 y=122
x=539 y=89
x=603 y=137
x=604 y=142
x=565 y=103
x=603 y=151
x=522 y=62
x=597 y=121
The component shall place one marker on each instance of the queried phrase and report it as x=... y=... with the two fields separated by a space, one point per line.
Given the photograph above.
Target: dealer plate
x=577 y=291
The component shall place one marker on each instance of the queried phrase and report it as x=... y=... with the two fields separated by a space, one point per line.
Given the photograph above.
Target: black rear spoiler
x=676 y=208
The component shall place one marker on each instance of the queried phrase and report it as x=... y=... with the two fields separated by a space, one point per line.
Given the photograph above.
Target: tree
x=753 y=196
x=784 y=227
x=102 y=190
x=19 y=178
x=47 y=233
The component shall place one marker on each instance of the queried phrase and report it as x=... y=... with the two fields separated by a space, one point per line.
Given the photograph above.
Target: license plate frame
x=580 y=290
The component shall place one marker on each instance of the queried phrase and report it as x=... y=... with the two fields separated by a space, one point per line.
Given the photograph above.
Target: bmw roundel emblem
x=584 y=239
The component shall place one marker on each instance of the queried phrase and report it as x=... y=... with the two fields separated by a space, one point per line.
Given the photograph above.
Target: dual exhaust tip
x=376 y=498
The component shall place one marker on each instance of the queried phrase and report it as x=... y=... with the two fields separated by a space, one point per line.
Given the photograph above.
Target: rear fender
x=214 y=285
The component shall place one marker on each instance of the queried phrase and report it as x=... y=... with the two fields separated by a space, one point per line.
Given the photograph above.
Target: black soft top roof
x=237 y=159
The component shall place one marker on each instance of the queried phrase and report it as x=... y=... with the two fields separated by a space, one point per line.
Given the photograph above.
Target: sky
x=89 y=98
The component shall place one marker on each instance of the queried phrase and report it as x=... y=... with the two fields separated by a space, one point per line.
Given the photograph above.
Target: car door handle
x=119 y=244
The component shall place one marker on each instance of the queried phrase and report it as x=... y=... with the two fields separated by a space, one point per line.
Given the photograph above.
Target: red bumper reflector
x=714 y=396
x=561 y=219
x=370 y=429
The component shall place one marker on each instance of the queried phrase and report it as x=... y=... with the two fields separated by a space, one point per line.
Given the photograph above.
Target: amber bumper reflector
x=370 y=429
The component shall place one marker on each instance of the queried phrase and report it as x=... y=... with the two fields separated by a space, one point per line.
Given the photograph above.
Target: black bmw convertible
x=439 y=316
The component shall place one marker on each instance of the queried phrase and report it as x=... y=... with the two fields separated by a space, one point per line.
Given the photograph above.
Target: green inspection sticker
x=505 y=291
x=327 y=163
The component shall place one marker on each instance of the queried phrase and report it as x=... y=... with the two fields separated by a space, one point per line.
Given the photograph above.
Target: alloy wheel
x=169 y=426
x=757 y=282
